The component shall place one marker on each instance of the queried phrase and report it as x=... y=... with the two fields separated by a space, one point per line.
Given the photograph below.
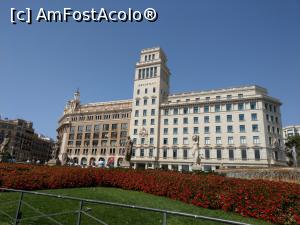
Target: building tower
x=151 y=88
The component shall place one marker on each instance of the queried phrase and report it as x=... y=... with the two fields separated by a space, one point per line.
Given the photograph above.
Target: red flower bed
x=276 y=202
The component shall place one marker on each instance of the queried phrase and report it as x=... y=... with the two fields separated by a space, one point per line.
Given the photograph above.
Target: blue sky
x=209 y=44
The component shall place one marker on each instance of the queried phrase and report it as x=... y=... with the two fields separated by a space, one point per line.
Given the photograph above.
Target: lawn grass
x=110 y=215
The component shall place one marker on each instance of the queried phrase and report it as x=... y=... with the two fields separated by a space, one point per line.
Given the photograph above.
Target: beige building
x=24 y=143
x=93 y=132
x=292 y=130
x=236 y=127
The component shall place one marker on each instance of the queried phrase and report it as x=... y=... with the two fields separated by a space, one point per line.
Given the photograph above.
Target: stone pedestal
x=196 y=168
x=53 y=162
x=125 y=164
x=5 y=157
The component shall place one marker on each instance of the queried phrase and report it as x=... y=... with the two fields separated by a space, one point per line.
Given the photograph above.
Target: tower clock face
x=143 y=132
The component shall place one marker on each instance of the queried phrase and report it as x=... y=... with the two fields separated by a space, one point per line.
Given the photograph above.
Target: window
x=144 y=122
x=142 y=152
x=175 y=121
x=218 y=129
x=144 y=112
x=175 y=141
x=252 y=105
x=231 y=154
x=138 y=91
x=229 y=118
x=165 y=131
x=185 y=111
x=241 y=106
x=151 y=152
x=257 y=154
x=114 y=126
x=207 y=153
x=229 y=96
x=206 y=130
x=219 y=153
x=166 y=121
x=185 y=130
x=136 y=114
x=185 y=141
x=244 y=154
x=96 y=128
x=166 y=112
x=154 y=90
x=142 y=141
x=153 y=101
x=72 y=130
x=196 y=109
x=185 y=120
x=185 y=153
x=253 y=116
x=228 y=107
x=242 y=140
x=175 y=131
x=240 y=95
x=254 y=128
x=229 y=129
x=145 y=101
x=218 y=119
x=242 y=129
x=196 y=130
x=152 y=121
x=218 y=140
x=217 y=108
x=256 y=140
x=135 y=131
x=241 y=117
x=152 y=112
x=230 y=140
x=151 y=130
x=207 y=140
x=146 y=90
x=80 y=129
x=175 y=111
x=151 y=141
x=165 y=153
x=137 y=102
x=165 y=141
x=174 y=153
x=106 y=127
x=196 y=120
x=206 y=119
x=206 y=108
x=136 y=122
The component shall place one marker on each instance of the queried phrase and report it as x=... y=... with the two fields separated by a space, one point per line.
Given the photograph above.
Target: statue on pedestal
x=54 y=156
x=4 y=150
x=196 y=153
x=128 y=153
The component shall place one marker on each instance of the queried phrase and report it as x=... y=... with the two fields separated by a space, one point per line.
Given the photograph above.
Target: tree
x=290 y=143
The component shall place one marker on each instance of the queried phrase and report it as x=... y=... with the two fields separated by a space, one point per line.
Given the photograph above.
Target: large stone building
x=289 y=131
x=236 y=127
x=24 y=143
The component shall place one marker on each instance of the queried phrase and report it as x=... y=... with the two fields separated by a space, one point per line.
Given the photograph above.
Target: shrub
x=276 y=202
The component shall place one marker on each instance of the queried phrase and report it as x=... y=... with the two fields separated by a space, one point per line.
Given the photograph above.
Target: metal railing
x=18 y=218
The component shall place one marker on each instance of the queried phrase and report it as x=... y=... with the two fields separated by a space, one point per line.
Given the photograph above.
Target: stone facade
x=292 y=130
x=24 y=143
x=93 y=132
x=236 y=127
